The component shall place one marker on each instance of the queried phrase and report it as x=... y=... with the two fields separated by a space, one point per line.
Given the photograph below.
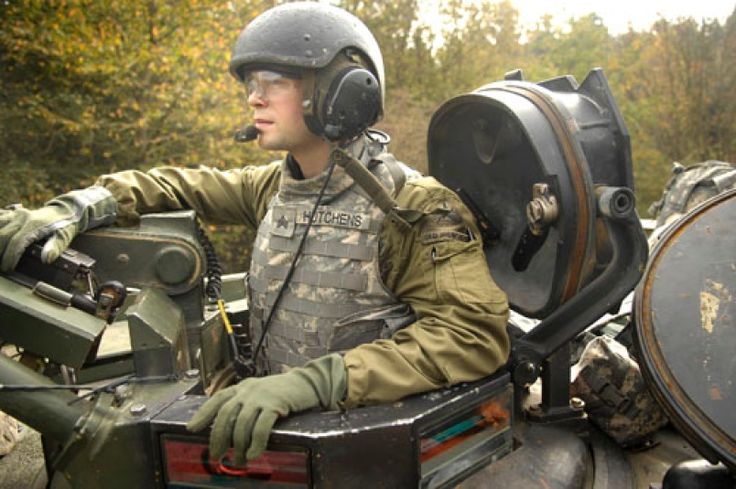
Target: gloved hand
x=245 y=413
x=61 y=219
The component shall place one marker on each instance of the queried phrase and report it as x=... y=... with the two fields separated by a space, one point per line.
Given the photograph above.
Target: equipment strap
x=323 y=248
x=311 y=308
x=375 y=190
x=347 y=281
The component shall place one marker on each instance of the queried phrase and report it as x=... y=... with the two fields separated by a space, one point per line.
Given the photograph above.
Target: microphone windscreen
x=246 y=134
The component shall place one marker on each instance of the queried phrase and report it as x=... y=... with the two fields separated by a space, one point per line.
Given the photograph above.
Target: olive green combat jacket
x=438 y=268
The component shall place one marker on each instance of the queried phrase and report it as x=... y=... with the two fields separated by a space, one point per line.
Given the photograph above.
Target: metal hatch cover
x=685 y=318
x=527 y=158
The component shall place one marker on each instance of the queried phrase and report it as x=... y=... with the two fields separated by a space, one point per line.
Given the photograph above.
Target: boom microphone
x=246 y=134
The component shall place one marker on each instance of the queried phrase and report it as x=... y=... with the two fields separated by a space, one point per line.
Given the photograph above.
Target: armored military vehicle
x=126 y=333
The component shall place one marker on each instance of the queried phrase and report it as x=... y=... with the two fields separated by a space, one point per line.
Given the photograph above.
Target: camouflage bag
x=690 y=186
x=616 y=398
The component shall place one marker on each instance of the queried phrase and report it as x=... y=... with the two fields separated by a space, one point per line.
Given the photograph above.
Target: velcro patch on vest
x=283 y=221
x=327 y=216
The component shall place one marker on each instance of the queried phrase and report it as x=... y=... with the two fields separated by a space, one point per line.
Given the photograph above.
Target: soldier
x=389 y=295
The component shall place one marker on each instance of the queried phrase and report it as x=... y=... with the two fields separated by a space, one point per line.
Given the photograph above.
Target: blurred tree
x=630 y=67
x=90 y=87
x=587 y=45
x=691 y=94
x=539 y=50
x=574 y=50
x=93 y=86
x=480 y=44
x=392 y=23
x=675 y=87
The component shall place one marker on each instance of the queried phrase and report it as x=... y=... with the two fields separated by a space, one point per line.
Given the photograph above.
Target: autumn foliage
x=95 y=86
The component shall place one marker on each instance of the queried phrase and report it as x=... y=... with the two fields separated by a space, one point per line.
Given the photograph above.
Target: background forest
x=93 y=86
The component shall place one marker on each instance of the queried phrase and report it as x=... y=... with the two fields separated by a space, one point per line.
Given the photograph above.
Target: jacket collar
x=294 y=185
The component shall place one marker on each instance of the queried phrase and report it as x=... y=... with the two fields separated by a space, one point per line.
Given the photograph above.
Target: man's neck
x=312 y=159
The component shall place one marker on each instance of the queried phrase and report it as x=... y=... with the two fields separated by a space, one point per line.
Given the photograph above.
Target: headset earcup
x=351 y=105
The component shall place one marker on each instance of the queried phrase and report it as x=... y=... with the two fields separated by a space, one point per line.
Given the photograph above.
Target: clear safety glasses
x=269 y=84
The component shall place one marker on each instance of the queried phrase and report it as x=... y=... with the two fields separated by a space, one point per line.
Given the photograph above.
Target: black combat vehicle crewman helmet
x=331 y=50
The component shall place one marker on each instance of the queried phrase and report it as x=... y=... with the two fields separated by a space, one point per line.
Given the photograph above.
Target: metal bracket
x=542 y=210
x=534 y=353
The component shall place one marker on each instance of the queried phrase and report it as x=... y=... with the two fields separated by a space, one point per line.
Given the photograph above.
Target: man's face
x=277 y=109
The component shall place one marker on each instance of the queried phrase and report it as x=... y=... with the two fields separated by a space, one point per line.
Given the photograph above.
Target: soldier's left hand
x=60 y=220
x=245 y=413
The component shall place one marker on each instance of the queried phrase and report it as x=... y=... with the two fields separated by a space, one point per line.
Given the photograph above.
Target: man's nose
x=256 y=99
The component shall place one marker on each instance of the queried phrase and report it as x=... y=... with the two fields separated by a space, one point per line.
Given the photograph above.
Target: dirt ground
x=23 y=467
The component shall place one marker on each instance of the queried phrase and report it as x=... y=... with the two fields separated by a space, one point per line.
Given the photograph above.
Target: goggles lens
x=268 y=84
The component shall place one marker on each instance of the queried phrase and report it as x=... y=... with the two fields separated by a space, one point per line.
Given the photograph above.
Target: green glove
x=61 y=219
x=245 y=413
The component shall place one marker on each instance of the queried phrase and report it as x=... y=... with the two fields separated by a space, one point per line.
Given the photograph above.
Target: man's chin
x=265 y=143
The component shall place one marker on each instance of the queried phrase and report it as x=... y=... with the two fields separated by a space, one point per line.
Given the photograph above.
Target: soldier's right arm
x=237 y=196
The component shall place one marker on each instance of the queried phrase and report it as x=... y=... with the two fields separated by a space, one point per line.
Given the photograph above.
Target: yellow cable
x=228 y=326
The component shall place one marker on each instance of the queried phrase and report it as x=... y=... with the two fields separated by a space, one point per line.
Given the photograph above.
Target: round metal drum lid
x=686 y=327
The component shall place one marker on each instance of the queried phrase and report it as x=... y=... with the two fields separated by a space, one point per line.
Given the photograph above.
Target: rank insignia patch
x=283 y=221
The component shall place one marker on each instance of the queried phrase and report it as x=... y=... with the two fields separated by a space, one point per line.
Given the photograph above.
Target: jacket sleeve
x=440 y=270
x=237 y=196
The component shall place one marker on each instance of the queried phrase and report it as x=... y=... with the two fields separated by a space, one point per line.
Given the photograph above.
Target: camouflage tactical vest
x=336 y=298
x=690 y=186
